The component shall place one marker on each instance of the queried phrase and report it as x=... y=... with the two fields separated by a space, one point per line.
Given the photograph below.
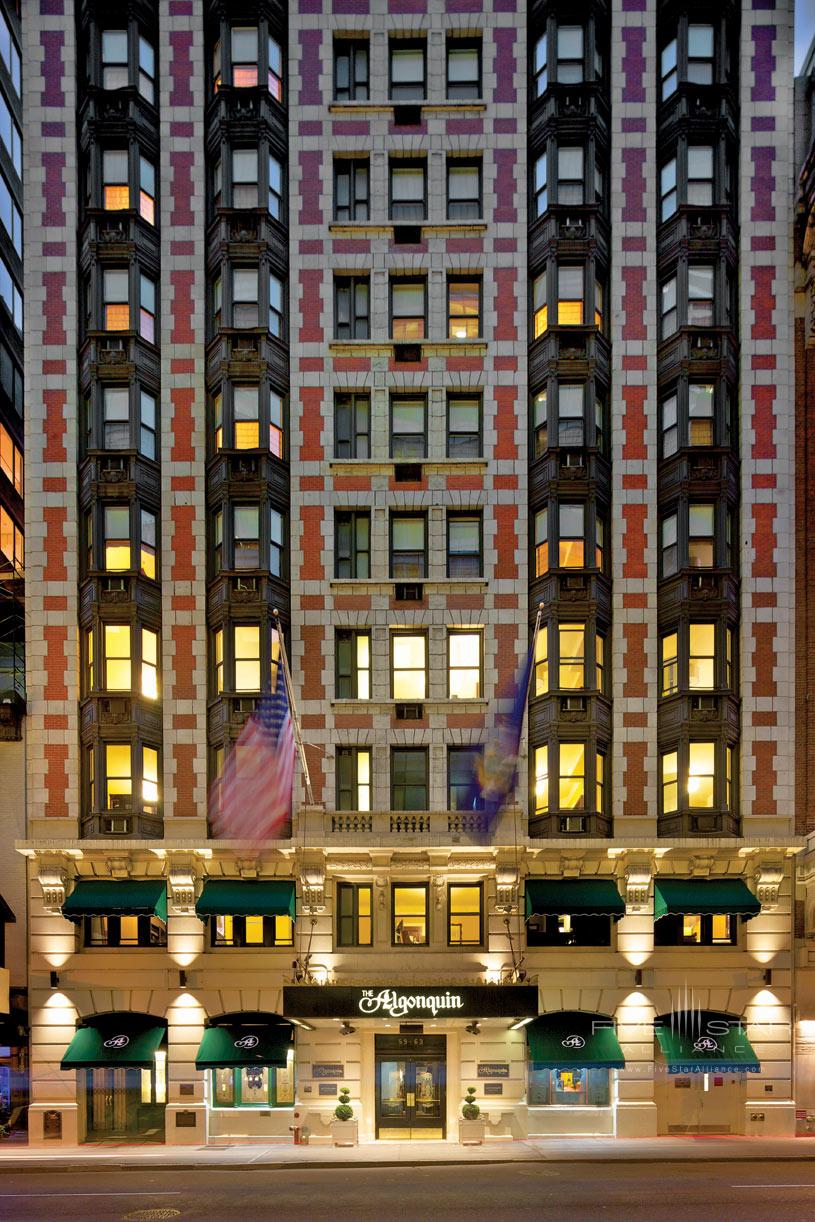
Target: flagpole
x=295 y=716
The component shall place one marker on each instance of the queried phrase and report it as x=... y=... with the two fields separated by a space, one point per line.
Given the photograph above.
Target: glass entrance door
x=123 y=1103
x=410 y=1098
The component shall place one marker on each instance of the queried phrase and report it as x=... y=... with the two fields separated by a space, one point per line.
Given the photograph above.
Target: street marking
x=811 y=1184
x=15 y=1196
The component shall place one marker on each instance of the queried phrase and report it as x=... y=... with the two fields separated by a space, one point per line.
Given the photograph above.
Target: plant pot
x=471 y=1132
x=344 y=1133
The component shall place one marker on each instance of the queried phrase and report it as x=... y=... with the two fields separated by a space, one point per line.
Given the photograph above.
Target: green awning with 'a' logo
x=123 y=1039
x=574 y=1039
x=235 y=1041
x=705 y=1041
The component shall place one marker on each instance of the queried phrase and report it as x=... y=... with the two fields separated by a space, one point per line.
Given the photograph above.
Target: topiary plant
x=469 y=1108
x=343 y=1110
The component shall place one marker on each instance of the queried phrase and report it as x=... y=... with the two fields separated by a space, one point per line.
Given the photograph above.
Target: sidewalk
x=14 y=1157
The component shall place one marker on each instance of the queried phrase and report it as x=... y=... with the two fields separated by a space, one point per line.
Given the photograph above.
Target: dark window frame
x=586 y=931
x=351 y=783
x=358 y=208
x=473 y=88
x=406 y=885
x=401 y=450
x=462 y=397
x=479 y=888
x=357 y=288
x=459 y=515
x=411 y=213
x=238 y=939
x=353 y=890
x=413 y=92
x=359 y=83
x=356 y=551
x=477 y=751
x=468 y=209
x=352 y=678
x=399 y=515
x=356 y=401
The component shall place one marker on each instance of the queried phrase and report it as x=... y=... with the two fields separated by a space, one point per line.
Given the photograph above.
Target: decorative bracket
x=637 y=887
x=52 y=880
x=312 y=883
x=182 y=886
x=506 y=886
x=769 y=877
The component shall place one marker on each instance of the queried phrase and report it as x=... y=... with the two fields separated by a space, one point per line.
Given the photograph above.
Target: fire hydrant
x=296 y=1129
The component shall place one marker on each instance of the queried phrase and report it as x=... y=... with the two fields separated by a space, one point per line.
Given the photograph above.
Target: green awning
x=126 y=1039
x=240 y=1040
x=705 y=1041
x=678 y=896
x=246 y=897
x=108 y=897
x=577 y=896
x=574 y=1039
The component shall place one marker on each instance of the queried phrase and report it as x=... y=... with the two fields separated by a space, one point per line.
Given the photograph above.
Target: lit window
x=218 y=660
x=542 y=662
x=464 y=308
x=147 y=190
x=118 y=776
x=464 y=676
x=701 y=774
x=150 y=779
x=541 y=780
x=244 y=45
x=353 y=778
x=600 y=781
x=275 y=76
x=670 y=782
x=540 y=307
x=700 y=414
x=410 y=914
x=116 y=300
x=702 y=656
x=572 y=787
x=246 y=410
x=701 y=520
x=115 y=189
x=147 y=556
x=464 y=904
x=149 y=664
x=728 y=778
x=247 y=657
x=572 y=655
x=570 y=296
x=117 y=657
x=117 y=538
x=408 y=310
x=599 y=662
x=541 y=542
x=571 y=547
x=409 y=663
x=353 y=665
x=669 y=664
x=276 y=424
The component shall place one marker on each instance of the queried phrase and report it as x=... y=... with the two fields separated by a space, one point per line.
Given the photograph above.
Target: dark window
x=411 y=914
x=464 y=545
x=277 y=318
x=408 y=310
x=463 y=189
x=244 y=178
x=277 y=552
x=355 y=914
x=351 y=70
x=719 y=929
x=465 y=914
x=246 y=536
x=352 y=307
x=463 y=790
x=409 y=778
x=353 y=778
x=352 y=534
x=570 y=174
x=408 y=546
x=353 y=664
x=351 y=189
x=570 y=415
x=408 y=427
x=125 y=931
x=407 y=70
x=275 y=202
x=408 y=190
x=569 y=66
x=540 y=73
x=463 y=307
x=540 y=186
x=463 y=426
x=352 y=426
x=463 y=69
x=567 y=929
x=252 y=931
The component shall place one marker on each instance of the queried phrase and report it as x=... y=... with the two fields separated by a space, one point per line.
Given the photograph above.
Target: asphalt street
x=562 y=1191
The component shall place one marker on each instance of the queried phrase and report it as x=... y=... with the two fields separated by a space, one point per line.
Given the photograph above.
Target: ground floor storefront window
x=587 y=1087
x=255 y=1086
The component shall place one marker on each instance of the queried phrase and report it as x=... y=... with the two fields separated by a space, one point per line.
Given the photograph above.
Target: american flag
x=251 y=800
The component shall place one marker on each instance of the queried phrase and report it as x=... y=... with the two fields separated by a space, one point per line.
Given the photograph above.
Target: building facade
x=419 y=333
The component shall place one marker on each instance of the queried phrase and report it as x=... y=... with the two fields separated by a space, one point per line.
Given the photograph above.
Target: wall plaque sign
x=327 y=1088
x=493 y=1088
x=493 y=1069
x=416 y=1001
x=328 y=1069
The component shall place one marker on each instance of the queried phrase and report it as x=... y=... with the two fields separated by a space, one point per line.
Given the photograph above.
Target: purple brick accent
x=763 y=184
x=311 y=6
x=505 y=246
x=310 y=127
x=311 y=42
x=54 y=190
x=634 y=64
x=181 y=165
x=407 y=6
x=634 y=125
x=52 y=42
x=762 y=243
x=53 y=129
x=463 y=6
x=633 y=6
x=634 y=184
x=311 y=246
x=634 y=244
x=350 y=8
x=53 y=250
x=181 y=68
x=52 y=8
x=357 y=127
x=180 y=8
x=464 y=127
x=762 y=123
x=763 y=64
x=505 y=166
x=182 y=130
x=505 y=127
x=311 y=164
x=505 y=6
x=351 y=246
x=505 y=65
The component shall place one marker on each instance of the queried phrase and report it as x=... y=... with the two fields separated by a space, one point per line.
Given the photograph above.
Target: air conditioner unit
x=409 y=712
x=116 y=827
x=407 y=235
x=408 y=592
x=407 y=115
x=407 y=353
x=573 y=704
x=407 y=472
x=573 y=825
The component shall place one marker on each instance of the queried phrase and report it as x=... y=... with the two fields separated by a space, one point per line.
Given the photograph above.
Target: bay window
x=697 y=775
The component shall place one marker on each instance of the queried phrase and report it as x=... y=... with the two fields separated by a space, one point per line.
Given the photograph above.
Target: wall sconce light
x=638 y=976
x=474 y=1028
x=54 y=980
x=768 y=975
x=182 y=979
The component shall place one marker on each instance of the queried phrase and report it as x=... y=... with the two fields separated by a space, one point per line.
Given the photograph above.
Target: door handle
x=411 y=1099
